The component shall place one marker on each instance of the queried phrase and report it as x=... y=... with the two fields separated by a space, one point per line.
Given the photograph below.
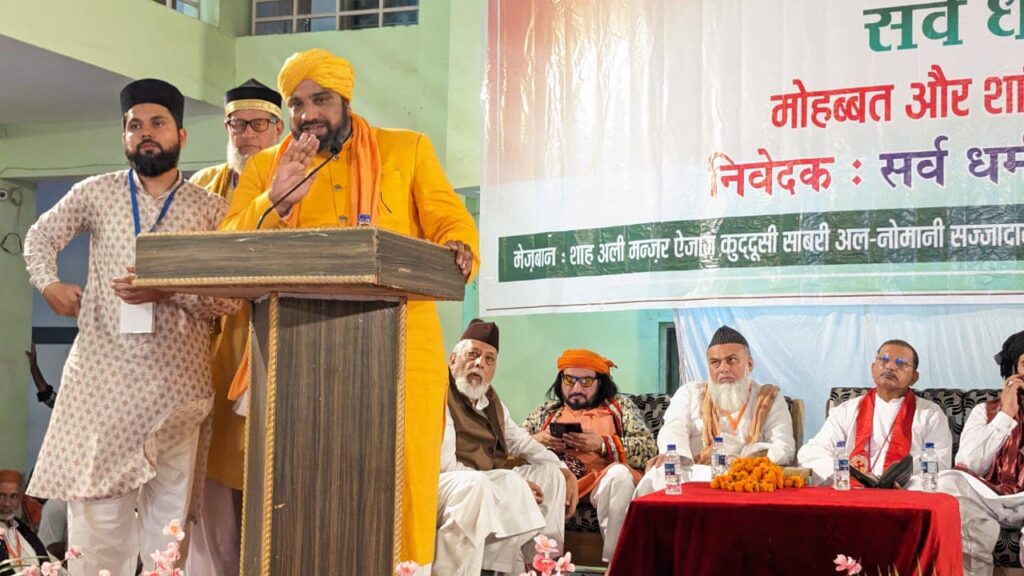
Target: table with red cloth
x=789 y=531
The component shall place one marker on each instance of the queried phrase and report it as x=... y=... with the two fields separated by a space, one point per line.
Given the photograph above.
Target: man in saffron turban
x=613 y=445
x=375 y=176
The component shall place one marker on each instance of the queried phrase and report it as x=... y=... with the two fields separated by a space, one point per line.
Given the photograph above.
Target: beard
x=153 y=164
x=470 y=390
x=8 y=517
x=237 y=160
x=579 y=402
x=337 y=134
x=730 y=397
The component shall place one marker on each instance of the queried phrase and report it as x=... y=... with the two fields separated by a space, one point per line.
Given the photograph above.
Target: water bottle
x=841 y=470
x=673 y=483
x=718 y=466
x=930 y=468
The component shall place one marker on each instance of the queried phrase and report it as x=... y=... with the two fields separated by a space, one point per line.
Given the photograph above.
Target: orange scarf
x=899 y=434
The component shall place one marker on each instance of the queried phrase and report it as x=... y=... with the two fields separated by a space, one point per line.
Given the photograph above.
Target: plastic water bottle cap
x=929 y=445
x=671 y=447
x=718 y=438
x=841 y=444
x=364 y=220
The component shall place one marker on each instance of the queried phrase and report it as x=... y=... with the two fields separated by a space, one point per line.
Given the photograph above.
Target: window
x=189 y=8
x=293 y=16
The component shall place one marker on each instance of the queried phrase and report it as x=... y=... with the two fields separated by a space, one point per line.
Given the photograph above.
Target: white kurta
x=982 y=511
x=124 y=397
x=930 y=424
x=684 y=427
x=486 y=517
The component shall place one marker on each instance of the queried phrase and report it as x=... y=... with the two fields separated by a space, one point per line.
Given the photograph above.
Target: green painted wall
x=16 y=312
x=132 y=38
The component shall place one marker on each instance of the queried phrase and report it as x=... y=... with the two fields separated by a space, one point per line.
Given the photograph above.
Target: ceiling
x=39 y=86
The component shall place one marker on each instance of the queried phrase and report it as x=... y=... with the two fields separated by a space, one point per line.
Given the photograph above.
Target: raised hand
x=295 y=162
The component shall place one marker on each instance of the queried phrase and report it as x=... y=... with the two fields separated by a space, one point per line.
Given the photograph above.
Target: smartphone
x=560 y=428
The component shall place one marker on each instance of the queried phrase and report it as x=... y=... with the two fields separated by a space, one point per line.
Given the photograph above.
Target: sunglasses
x=901 y=363
x=585 y=381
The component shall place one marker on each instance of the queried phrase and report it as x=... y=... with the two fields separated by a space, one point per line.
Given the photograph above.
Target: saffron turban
x=321 y=66
x=12 y=476
x=581 y=358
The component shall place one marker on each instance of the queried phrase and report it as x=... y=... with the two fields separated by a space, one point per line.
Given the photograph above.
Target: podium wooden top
x=364 y=261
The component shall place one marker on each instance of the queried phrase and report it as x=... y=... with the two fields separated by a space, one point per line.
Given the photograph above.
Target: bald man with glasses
x=885 y=425
x=598 y=433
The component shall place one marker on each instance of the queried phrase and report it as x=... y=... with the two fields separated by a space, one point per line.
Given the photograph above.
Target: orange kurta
x=226 y=462
x=416 y=200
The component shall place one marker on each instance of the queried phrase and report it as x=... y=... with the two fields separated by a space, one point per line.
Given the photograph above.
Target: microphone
x=335 y=148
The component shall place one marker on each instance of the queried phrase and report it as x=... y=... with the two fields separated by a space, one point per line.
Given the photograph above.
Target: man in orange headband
x=379 y=177
x=17 y=540
x=609 y=454
x=750 y=417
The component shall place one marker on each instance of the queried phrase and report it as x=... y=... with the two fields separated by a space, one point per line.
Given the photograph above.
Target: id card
x=136 y=318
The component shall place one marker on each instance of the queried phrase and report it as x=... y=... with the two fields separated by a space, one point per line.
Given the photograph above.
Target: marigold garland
x=755 y=475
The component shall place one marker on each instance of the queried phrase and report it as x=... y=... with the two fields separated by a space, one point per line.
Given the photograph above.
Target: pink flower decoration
x=175 y=530
x=545 y=545
x=172 y=553
x=31 y=571
x=73 y=553
x=50 y=569
x=543 y=563
x=565 y=565
x=847 y=564
x=407 y=568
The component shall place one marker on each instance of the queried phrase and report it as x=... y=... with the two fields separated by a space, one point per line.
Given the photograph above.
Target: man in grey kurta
x=127 y=431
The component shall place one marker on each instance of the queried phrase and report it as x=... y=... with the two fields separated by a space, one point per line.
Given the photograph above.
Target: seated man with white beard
x=488 y=512
x=751 y=418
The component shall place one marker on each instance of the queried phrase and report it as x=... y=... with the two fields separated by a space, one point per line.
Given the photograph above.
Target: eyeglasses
x=237 y=125
x=901 y=363
x=585 y=381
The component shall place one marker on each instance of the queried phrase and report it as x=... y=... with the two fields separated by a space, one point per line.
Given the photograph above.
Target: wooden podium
x=324 y=448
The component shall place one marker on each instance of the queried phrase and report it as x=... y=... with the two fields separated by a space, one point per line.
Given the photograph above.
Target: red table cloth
x=789 y=531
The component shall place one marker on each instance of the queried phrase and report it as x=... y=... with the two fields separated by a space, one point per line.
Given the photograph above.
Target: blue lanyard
x=135 y=202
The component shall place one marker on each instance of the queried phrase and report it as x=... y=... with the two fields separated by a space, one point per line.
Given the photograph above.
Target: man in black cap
x=989 y=477
x=126 y=433
x=750 y=417
x=489 y=509
x=252 y=118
